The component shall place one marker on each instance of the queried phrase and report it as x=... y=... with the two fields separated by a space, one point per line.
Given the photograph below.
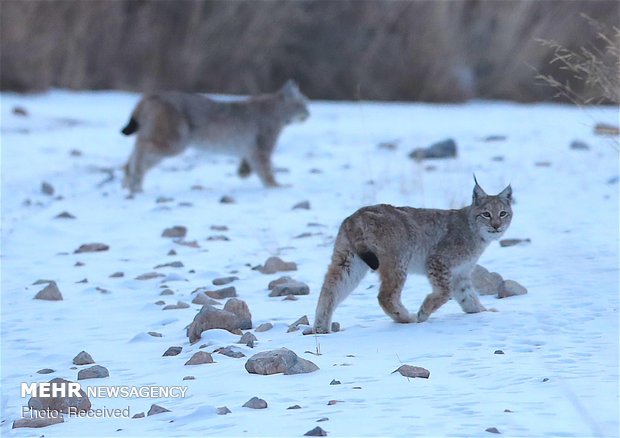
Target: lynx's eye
x=486 y=215
x=503 y=214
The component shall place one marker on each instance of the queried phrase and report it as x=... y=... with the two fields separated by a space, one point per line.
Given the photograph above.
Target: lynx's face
x=294 y=103
x=492 y=214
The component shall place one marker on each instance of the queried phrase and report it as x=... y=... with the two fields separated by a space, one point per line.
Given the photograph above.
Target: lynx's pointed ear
x=291 y=88
x=506 y=194
x=479 y=194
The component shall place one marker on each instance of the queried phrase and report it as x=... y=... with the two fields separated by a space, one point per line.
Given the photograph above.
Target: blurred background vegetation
x=372 y=50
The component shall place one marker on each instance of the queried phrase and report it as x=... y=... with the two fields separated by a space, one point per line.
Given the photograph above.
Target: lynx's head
x=491 y=214
x=293 y=103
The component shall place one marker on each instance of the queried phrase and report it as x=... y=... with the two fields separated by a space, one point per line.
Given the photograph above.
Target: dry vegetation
x=423 y=50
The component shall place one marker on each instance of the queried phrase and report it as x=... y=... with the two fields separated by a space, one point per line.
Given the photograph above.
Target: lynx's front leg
x=260 y=159
x=439 y=277
x=464 y=294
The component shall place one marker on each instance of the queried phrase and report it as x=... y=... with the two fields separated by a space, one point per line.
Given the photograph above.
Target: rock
x=542 y=164
x=412 y=371
x=255 y=403
x=248 y=339
x=156 y=409
x=117 y=275
x=64 y=215
x=160 y=303
x=61 y=404
x=223 y=410
x=149 y=276
x=178 y=305
x=189 y=378
x=606 y=129
x=139 y=415
x=83 y=358
x=178 y=231
x=512 y=242
x=45 y=371
x=47 y=188
x=235 y=315
x=294 y=407
x=38 y=422
x=202 y=299
x=49 y=293
x=301 y=321
x=218 y=238
x=166 y=292
x=282 y=360
x=492 y=430
x=20 y=111
x=317 y=431
x=264 y=327
x=199 y=358
x=224 y=280
x=163 y=200
x=188 y=243
x=442 y=149
x=388 y=145
x=485 y=282
x=335 y=327
x=94 y=372
x=172 y=252
x=84 y=280
x=335 y=382
x=219 y=227
x=290 y=298
x=303 y=205
x=276 y=264
x=498 y=352
x=173 y=351
x=92 y=247
x=291 y=288
x=227 y=200
x=38 y=282
x=78 y=264
x=282 y=280
x=511 y=288
x=579 y=145
x=220 y=294
x=490 y=138
x=320 y=420
x=176 y=264
x=228 y=351
x=154 y=334
x=333 y=402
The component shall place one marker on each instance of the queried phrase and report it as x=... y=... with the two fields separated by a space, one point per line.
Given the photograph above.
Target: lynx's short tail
x=132 y=126
x=357 y=239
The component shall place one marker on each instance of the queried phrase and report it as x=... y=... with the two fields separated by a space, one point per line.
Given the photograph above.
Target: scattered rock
x=333 y=402
x=317 y=431
x=199 y=358
x=498 y=352
x=92 y=247
x=188 y=243
x=61 y=404
x=178 y=231
x=156 y=409
x=83 y=280
x=485 y=282
x=94 y=372
x=282 y=360
x=248 y=339
x=38 y=422
x=542 y=164
x=219 y=227
x=335 y=382
x=149 y=276
x=507 y=410
x=301 y=321
x=276 y=264
x=45 y=371
x=49 y=293
x=606 y=129
x=166 y=292
x=511 y=288
x=202 y=299
x=176 y=264
x=160 y=303
x=47 y=188
x=490 y=138
x=220 y=294
x=255 y=403
x=579 y=145
x=197 y=187
x=235 y=315
x=189 y=378
x=290 y=298
x=303 y=205
x=320 y=420
x=155 y=334
x=264 y=327
x=282 y=280
x=75 y=153
x=20 y=111
x=290 y=288
x=139 y=415
x=173 y=351
x=512 y=242
x=335 y=327
x=163 y=199
x=442 y=149
x=38 y=282
x=492 y=430
x=412 y=371
x=228 y=351
x=223 y=410
x=497 y=158
x=178 y=305
x=172 y=252
x=388 y=145
x=303 y=235
x=117 y=275
x=64 y=215
x=224 y=280
x=294 y=407
x=83 y=358
x=218 y=238
x=227 y=200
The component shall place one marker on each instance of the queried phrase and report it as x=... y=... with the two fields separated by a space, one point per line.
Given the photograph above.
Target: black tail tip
x=131 y=127
x=370 y=258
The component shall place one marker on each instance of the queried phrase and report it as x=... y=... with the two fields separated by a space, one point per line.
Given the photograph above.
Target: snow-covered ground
x=559 y=373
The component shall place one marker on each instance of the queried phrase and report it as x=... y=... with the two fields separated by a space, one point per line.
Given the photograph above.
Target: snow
x=559 y=373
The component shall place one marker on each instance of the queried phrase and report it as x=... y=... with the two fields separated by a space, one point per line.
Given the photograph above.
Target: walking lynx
x=167 y=123
x=444 y=245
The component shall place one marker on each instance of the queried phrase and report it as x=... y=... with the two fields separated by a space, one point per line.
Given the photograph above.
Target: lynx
x=167 y=123
x=444 y=245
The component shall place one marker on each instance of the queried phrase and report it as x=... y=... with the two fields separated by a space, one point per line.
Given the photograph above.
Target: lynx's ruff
x=167 y=123
x=444 y=245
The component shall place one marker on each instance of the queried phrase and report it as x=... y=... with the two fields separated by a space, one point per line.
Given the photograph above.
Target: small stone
x=173 y=351
x=388 y=145
x=38 y=282
x=303 y=235
x=139 y=415
x=92 y=247
x=149 y=276
x=546 y=379
x=20 y=111
x=335 y=382
x=64 y=215
x=492 y=430
x=189 y=378
x=223 y=410
x=291 y=288
x=485 y=282
x=83 y=358
x=167 y=292
x=156 y=409
x=94 y=372
x=276 y=264
x=219 y=227
x=294 y=407
x=155 y=334
x=38 y=422
x=606 y=129
x=185 y=204
x=220 y=294
x=512 y=242
x=227 y=200
x=542 y=164
x=49 y=293
x=307 y=331
x=78 y=264
x=281 y=360
x=218 y=238
x=224 y=280
x=102 y=290
x=178 y=305
x=264 y=327
x=507 y=410
x=498 y=352
x=75 y=153
x=160 y=303
x=200 y=358
x=247 y=338
x=47 y=188
x=579 y=145
x=282 y=280
x=335 y=327
x=163 y=200
x=290 y=298
x=511 y=288
x=497 y=158
x=303 y=205
x=172 y=252
x=45 y=371
x=228 y=351
x=490 y=138
x=176 y=264
x=117 y=275
x=177 y=231
x=320 y=420
x=317 y=431
x=412 y=371
x=83 y=280
x=188 y=243
x=202 y=299
x=301 y=321
x=442 y=149
x=255 y=403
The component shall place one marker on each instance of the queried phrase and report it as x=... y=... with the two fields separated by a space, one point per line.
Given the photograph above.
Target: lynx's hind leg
x=141 y=160
x=393 y=277
x=464 y=294
x=344 y=273
x=439 y=277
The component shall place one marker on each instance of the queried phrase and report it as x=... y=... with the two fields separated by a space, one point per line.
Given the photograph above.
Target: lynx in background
x=444 y=245
x=167 y=123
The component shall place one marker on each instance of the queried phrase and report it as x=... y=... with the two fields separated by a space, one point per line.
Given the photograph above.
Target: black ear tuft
x=478 y=194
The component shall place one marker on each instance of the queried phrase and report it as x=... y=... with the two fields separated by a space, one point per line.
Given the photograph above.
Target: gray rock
x=511 y=288
x=149 y=276
x=173 y=351
x=200 y=358
x=117 y=275
x=92 y=247
x=47 y=188
x=220 y=294
x=442 y=149
x=412 y=371
x=83 y=358
x=303 y=205
x=301 y=321
x=178 y=231
x=202 y=299
x=579 y=145
x=294 y=407
x=334 y=382
x=335 y=327
x=241 y=309
x=64 y=215
x=45 y=371
x=282 y=360
x=176 y=264
x=178 y=305
x=41 y=281
x=61 y=404
x=172 y=252
x=255 y=403
x=189 y=378
x=276 y=264
x=49 y=293
x=281 y=280
x=498 y=352
x=264 y=327
x=224 y=280
x=223 y=410
x=317 y=431
x=218 y=238
x=38 y=422
x=290 y=298
x=94 y=372
x=235 y=316
x=291 y=288
x=512 y=242
x=322 y=419
x=492 y=430
x=156 y=409
x=227 y=200
x=247 y=339
x=219 y=227
x=139 y=415
x=167 y=292
x=485 y=282
x=230 y=352
x=155 y=334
